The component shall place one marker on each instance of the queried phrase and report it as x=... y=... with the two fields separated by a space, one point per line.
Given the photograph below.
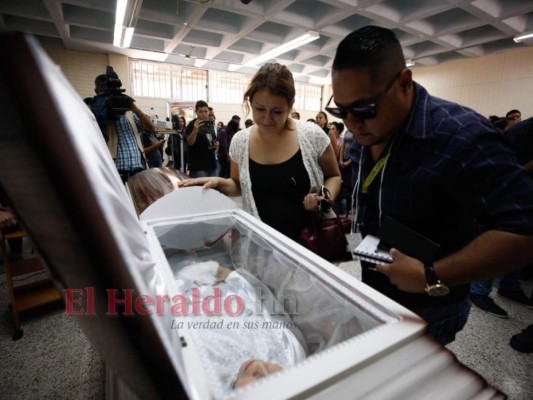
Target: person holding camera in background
x=152 y=149
x=201 y=139
x=121 y=123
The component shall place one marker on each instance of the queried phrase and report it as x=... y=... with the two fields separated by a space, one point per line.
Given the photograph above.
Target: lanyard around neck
x=359 y=211
x=375 y=171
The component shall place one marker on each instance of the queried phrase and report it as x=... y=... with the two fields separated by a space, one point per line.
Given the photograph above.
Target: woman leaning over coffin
x=277 y=162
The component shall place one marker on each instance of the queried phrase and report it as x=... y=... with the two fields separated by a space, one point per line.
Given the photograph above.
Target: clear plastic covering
x=241 y=322
x=288 y=313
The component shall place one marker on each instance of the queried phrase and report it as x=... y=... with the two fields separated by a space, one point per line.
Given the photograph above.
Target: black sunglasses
x=365 y=111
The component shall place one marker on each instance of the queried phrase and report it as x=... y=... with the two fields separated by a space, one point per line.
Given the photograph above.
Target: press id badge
x=353 y=239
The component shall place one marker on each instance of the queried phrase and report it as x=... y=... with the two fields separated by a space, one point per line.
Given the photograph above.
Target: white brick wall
x=80 y=68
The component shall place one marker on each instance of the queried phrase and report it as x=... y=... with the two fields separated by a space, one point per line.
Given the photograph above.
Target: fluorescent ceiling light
x=523 y=36
x=409 y=63
x=126 y=16
x=123 y=36
x=309 y=36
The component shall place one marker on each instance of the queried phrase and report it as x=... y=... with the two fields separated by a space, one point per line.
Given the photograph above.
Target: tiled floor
x=484 y=346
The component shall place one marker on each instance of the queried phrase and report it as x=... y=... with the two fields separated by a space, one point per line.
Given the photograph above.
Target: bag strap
x=324 y=192
x=315 y=219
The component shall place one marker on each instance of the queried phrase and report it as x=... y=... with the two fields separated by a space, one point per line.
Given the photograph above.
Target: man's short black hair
x=200 y=104
x=236 y=117
x=373 y=48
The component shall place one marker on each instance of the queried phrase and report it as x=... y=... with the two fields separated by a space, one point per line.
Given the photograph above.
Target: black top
x=201 y=153
x=279 y=190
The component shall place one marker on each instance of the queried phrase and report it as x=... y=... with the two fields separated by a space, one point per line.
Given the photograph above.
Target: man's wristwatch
x=434 y=287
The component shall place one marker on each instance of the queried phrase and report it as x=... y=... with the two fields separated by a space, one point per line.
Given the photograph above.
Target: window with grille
x=225 y=87
x=179 y=83
x=308 y=97
x=167 y=81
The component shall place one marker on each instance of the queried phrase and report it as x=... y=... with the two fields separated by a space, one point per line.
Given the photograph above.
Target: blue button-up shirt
x=129 y=156
x=449 y=174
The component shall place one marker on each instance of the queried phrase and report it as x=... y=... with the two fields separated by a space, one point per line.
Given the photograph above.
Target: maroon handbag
x=326 y=237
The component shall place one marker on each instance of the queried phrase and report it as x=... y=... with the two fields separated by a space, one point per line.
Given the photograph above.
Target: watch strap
x=431 y=277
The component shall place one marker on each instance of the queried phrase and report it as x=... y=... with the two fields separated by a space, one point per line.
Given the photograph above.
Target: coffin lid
x=64 y=187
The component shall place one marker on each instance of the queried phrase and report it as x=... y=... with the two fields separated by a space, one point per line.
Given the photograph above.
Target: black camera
x=117 y=103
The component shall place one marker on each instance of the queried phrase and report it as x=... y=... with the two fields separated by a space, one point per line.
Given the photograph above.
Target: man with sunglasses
x=437 y=167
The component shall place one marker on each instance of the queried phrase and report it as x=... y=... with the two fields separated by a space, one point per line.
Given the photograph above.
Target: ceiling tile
x=30 y=25
x=88 y=17
x=247 y=45
x=155 y=29
x=203 y=38
x=82 y=33
x=30 y=8
x=222 y=21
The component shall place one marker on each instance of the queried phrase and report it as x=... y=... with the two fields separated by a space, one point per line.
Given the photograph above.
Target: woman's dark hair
x=232 y=126
x=375 y=49
x=176 y=121
x=338 y=125
x=274 y=77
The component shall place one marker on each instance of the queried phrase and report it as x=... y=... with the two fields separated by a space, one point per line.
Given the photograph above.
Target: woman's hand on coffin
x=407 y=273
x=208 y=182
x=253 y=370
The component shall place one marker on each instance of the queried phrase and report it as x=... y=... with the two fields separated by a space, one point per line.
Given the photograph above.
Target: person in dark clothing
x=224 y=138
x=202 y=143
x=176 y=142
x=432 y=165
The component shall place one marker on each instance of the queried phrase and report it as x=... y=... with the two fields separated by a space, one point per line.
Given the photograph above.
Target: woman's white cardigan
x=313 y=143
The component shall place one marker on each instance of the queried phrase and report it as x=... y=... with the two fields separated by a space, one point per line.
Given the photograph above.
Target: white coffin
x=56 y=168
